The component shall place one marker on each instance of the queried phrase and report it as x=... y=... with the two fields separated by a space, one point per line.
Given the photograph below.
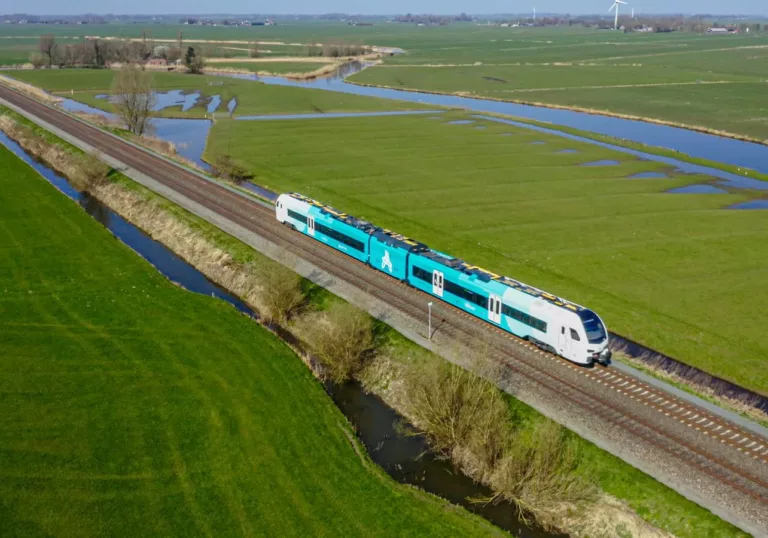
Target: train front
x=597 y=337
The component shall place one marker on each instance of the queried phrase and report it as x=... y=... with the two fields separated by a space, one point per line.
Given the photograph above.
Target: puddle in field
x=213 y=104
x=568 y=151
x=697 y=189
x=538 y=143
x=481 y=127
x=232 y=105
x=752 y=204
x=461 y=122
x=507 y=134
x=189 y=135
x=404 y=456
x=648 y=175
x=606 y=162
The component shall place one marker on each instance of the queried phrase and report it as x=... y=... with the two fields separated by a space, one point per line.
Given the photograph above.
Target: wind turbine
x=633 y=13
x=534 y=14
x=616 y=7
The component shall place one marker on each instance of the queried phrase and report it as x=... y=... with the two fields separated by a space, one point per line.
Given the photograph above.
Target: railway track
x=722 y=453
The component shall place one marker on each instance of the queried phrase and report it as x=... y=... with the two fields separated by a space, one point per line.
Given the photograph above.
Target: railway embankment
x=414 y=329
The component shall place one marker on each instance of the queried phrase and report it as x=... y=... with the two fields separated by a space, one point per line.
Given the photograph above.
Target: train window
x=575 y=335
x=340 y=237
x=517 y=315
x=421 y=274
x=297 y=216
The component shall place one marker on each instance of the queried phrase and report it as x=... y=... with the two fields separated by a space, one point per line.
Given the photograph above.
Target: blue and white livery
x=555 y=324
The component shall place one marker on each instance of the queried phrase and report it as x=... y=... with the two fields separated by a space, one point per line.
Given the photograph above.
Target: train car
x=560 y=326
x=324 y=223
x=389 y=252
x=555 y=324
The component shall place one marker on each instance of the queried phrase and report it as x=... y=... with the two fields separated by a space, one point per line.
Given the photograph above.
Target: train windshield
x=593 y=326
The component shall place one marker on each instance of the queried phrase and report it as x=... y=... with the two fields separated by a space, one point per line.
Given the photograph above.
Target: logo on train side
x=386 y=263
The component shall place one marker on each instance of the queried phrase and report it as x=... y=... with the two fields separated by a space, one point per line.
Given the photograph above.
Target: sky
x=44 y=7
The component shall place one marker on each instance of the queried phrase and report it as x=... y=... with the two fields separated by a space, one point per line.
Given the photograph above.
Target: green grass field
x=714 y=82
x=252 y=97
x=131 y=407
x=675 y=272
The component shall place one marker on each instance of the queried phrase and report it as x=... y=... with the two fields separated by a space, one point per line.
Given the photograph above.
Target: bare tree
x=47 y=47
x=280 y=293
x=134 y=97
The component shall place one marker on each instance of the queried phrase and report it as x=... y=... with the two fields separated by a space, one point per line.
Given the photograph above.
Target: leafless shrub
x=134 y=97
x=538 y=472
x=227 y=168
x=37 y=60
x=279 y=293
x=466 y=419
x=463 y=416
x=341 y=338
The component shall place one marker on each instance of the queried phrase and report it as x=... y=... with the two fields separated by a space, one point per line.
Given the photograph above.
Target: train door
x=564 y=343
x=494 y=308
x=311 y=226
x=282 y=211
x=438 y=283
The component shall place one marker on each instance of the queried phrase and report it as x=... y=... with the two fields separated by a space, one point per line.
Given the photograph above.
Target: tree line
x=98 y=53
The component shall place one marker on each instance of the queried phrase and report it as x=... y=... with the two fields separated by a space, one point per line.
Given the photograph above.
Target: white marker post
x=429 y=334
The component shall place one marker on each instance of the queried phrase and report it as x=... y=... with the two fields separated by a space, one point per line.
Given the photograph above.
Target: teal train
x=554 y=324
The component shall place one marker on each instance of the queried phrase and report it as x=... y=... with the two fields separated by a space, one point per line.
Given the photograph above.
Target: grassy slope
x=128 y=406
x=252 y=97
x=675 y=272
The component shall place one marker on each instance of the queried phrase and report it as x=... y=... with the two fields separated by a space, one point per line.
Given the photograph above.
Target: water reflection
x=697 y=189
x=752 y=204
x=213 y=104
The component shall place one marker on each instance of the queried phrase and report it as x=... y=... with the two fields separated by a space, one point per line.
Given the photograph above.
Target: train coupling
x=604 y=357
